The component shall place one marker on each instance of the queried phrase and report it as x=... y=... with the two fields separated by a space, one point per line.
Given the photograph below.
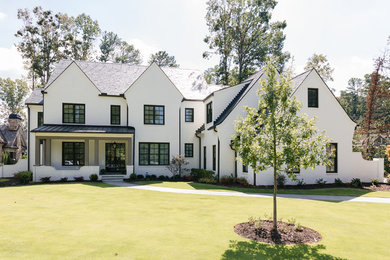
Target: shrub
x=201 y=173
x=227 y=180
x=65 y=179
x=153 y=177
x=242 y=181
x=81 y=178
x=300 y=182
x=208 y=180
x=161 y=177
x=140 y=177
x=133 y=176
x=93 y=177
x=320 y=181
x=23 y=177
x=356 y=182
x=374 y=181
x=102 y=171
x=46 y=179
x=188 y=177
x=291 y=221
x=281 y=180
x=338 y=181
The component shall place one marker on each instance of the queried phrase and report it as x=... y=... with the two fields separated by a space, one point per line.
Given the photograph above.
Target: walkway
x=253 y=195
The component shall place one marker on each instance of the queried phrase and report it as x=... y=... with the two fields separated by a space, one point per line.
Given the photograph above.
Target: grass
x=4 y=180
x=98 y=221
x=323 y=191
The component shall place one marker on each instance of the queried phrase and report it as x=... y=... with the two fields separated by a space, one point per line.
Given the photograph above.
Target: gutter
x=200 y=150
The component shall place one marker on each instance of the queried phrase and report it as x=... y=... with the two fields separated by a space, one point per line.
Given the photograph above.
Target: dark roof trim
x=33 y=104
x=91 y=129
x=106 y=95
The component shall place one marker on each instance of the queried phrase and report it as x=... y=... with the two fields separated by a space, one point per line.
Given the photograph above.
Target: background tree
x=108 y=43
x=275 y=135
x=12 y=96
x=114 y=49
x=162 y=58
x=353 y=99
x=127 y=53
x=321 y=64
x=241 y=32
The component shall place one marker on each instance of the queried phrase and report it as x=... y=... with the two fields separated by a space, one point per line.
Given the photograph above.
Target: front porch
x=82 y=153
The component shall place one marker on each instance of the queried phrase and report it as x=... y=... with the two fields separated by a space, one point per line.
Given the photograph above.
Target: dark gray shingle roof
x=297 y=80
x=35 y=98
x=8 y=136
x=84 y=129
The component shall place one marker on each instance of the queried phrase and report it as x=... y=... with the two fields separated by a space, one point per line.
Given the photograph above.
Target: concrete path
x=243 y=194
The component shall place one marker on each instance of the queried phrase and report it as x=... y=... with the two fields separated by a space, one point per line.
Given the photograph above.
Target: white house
x=125 y=119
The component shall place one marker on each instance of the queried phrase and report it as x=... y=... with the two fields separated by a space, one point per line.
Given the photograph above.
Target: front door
x=116 y=157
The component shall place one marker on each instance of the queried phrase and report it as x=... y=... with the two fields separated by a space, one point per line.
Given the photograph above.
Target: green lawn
x=323 y=191
x=100 y=221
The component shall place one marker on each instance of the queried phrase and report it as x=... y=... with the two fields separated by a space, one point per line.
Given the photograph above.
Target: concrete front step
x=113 y=177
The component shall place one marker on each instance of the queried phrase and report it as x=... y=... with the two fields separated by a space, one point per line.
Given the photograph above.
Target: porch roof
x=97 y=129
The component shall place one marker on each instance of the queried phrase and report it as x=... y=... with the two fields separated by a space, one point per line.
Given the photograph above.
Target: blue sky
x=351 y=33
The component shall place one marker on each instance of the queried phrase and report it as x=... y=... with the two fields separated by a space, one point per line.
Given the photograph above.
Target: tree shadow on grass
x=256 y=250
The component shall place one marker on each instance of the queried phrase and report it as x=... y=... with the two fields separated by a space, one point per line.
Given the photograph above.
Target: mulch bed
x=379 y=187
x=287 y=233
x=9 y=182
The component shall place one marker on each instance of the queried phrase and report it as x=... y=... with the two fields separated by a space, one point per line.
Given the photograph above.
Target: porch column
x=130 y=151
x=86 y=153
x=37 y=151
x=48 y=151
x=96 y=147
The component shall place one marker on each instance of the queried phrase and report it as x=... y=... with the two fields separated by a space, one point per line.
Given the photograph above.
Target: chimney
x=14 y=121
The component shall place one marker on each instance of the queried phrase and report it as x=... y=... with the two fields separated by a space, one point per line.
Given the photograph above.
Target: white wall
x=7 y=171
x=56 y=174
x=34 y=109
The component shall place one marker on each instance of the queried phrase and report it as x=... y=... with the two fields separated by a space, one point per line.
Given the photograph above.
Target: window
x=189 y=150
x=153 y=115
x=73 y=154
x=209 y=110
x=153 y=153
x=73 y=113
x=214 y=157
x=244 y=168
x=40 y=119
x=115 y=115
x=189 y=114
x=204 y=157
x=331 y=150
x=312 y=94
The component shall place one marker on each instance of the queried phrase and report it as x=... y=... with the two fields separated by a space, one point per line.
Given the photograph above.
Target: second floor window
x=73 y=113
x=153 y=115
x=115 y=115
x=40 y=119
x=209 y=111
x=312 y=97
x=189 y=114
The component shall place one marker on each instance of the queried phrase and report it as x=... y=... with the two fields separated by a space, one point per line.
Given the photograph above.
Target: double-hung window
x=154 y=115
x=189 y=114
x=73 y=113
x=153 y=153
x=115 y=115
x=209 y=112
x=73 y=153
x=189 y=150
x=40 y=119
x=312 y=97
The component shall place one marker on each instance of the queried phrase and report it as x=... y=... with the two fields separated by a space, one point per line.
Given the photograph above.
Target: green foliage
x=300 y=182
x=356 y=182
x=291 y=221
x=207 y=180
x=320 y=181
x=153 y=177
x=321 y=64
x=45 y=179
x=133 y=176
x=202 y=173
x=242 y=181
x=162 y=177
x=281 y=180
x=23 y=177
x=127 y=53
x=227 y=180
x=374 y=181
x=162 y=58
x=93 y=177
x=80 y=178
x=12 y=96
x=65 y=179
x=338 y=181
x=140 y=177
x=353 y=99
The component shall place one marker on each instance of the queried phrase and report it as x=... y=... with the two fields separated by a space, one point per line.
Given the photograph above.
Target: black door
x=116 y=157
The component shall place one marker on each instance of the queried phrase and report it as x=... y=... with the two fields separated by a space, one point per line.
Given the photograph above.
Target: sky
x=351 y=33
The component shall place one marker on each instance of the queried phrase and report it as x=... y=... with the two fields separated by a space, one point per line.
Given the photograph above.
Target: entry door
x=115 y=157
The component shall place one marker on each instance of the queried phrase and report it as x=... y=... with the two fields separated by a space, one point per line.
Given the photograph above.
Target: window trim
x=204 y=157
x=63 y=160
x=192 y=114
x=111 y=115
x=335 y=159
x=154 y=114
x=74 y=114
x=308 y=97
x=214 y=157
x=192 y=150
x=244 y=168
x=38 y=116
x=149 y=143
x=209 y=112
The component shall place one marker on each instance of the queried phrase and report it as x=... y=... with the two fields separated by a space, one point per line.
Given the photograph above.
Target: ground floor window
x=331 y=150
x=204 y=157
x=244 y=168
x=73 y=154
x=189 y=150
x=153 y=153
x=214 y=157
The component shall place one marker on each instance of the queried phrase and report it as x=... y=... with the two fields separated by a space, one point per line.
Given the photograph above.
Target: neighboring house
x=128 y=118
x=12 y=140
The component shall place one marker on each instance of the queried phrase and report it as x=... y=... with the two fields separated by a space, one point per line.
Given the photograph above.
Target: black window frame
x=209 y=112
x=204 y=157
x=190 y=117
x=154 y=114
x=73 y=113
x=244 y=168
x=189 y=150
x=40 y=119
x=332 y=157
x=214 y=157
x=116 y=116
x=73 y=155
x=312 y=101
x=148 y=154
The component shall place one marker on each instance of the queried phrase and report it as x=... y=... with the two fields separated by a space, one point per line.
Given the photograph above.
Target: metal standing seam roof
x=84 y=129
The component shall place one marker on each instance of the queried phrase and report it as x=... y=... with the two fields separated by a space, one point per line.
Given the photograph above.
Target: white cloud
x=2 y=16
x=146 y=49
x=11 y=63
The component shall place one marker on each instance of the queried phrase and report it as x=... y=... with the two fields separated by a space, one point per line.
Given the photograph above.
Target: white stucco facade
x=168 y=90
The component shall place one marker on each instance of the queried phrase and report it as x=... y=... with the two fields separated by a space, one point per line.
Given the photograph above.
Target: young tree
x=276 y=135
x=108 y=44
x=176 y=165
x=321 y=64
x=127 y=53
x=162 y=58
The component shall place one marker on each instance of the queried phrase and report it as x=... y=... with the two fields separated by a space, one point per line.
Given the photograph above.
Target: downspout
x=28 y=138
x=200 y=150
x=235 y=159
x=127 y=115
x=134 y=151
x=218 y=158
x=179 y=138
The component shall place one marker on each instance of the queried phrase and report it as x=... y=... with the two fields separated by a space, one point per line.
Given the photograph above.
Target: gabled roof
x=35 y=98
x=297 y=80
x=9 y=136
